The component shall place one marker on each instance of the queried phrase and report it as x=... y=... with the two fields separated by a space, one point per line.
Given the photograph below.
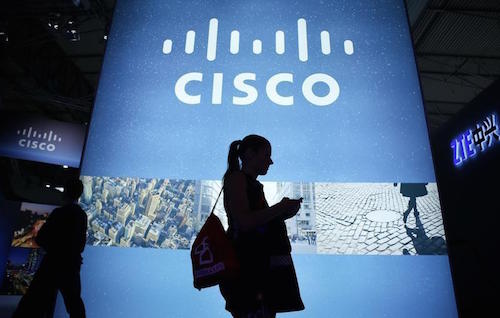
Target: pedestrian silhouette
x=63 y=238
x=412 y=191
x=267 y=282
x=424 y=245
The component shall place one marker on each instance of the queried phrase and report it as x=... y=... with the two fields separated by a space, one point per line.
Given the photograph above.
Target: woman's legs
x=412 y=205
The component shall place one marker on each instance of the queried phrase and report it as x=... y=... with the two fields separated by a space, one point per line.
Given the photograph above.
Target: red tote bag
x=212 y=255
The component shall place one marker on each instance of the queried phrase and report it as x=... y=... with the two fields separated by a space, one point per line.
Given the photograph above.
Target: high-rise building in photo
x=34 y=260
x=123 y=212
x=105 y=194
x=152 y=205
x=303 y=223
x=98 y=206
x=205 y=194
x=142 y=196
x=133 y=185
x=129 y=230
x=109 y=186
x=87 y=189
x=141 y=225
x=154 y=233
x=115 y=232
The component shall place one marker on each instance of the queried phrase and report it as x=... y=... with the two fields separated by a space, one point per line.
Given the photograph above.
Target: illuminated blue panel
x=332 y=85
x=372 y=127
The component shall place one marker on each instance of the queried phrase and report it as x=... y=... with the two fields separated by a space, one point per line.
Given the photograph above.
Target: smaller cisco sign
x=41 y=139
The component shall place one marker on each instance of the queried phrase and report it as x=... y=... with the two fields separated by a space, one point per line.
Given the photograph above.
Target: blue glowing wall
x=332 y=85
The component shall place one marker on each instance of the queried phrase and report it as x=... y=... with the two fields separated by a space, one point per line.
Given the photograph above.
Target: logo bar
x=190 y=35
x=302 y=35
x=257 y=47
x=348 y=47
x=280 y=42
x=167 y=46
x=235 y=42
x=325 y=43
x=212 y=39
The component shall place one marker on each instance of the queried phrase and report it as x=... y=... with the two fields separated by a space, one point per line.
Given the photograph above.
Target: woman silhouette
x=412 y=191
x=267 y=282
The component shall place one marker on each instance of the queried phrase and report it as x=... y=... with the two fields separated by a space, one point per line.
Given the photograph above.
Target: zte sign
x=472 y=142
x=243 y=82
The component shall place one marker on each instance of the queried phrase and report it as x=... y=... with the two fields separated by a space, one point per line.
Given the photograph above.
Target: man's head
x=73 y=189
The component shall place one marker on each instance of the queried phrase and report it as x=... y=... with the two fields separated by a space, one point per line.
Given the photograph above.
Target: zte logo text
x=474 y=141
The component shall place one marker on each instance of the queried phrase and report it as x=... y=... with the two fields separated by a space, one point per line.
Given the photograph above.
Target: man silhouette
x=63 y=238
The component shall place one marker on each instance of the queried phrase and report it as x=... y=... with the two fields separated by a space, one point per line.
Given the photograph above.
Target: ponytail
x=233 y=161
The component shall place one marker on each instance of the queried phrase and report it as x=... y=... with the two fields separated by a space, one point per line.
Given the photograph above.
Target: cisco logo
x=32 y=139
x=242 y=82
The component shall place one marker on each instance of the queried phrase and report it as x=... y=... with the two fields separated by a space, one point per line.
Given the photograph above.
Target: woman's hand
x=290 y=207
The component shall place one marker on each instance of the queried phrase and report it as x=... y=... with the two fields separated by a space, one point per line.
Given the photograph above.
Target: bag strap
x=215 y=204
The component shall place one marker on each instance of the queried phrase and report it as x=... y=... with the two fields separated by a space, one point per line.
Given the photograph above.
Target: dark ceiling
x=457 y=45
x=49 y=69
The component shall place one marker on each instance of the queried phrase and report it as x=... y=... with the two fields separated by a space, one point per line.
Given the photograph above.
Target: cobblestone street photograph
x=368 y=218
